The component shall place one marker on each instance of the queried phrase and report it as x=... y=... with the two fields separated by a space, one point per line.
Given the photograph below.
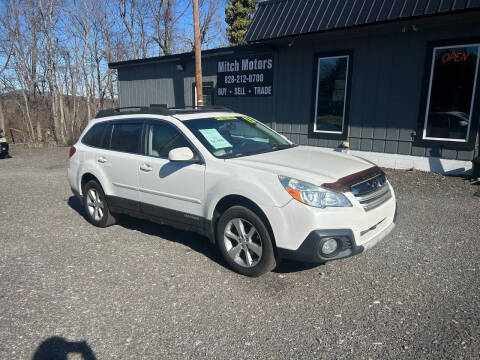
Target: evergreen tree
x=238 y=15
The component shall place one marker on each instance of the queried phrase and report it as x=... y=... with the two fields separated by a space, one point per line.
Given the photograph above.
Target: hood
x=306 y=163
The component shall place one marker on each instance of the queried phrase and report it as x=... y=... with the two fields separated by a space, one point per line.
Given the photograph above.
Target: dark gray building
x=397 y=79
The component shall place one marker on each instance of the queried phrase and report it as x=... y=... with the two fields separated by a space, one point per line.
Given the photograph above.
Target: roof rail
x=191 y=109
x=159 y=109
x=156 y=109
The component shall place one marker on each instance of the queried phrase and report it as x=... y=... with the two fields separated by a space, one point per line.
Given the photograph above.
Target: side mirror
x=183 y=154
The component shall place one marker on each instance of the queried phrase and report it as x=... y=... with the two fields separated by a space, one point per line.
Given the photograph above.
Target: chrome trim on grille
x=373 y=192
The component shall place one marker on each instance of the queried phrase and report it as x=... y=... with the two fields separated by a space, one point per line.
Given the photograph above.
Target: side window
x=94 y=136
x=126 y=137
x=161 y=138
x=106 y=138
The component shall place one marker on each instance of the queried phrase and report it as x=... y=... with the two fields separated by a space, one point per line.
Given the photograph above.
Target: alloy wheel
x=95 y=205
x=243 y=242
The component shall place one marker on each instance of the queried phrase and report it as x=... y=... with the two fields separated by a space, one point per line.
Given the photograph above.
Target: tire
x=251 y=254
x=96 y=206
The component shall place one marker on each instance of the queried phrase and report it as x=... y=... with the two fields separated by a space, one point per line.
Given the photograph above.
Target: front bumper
x=310 y=249
x=3 y=148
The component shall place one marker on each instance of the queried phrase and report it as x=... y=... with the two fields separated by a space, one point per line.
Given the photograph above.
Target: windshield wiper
x=283 y=146
x=273 y=148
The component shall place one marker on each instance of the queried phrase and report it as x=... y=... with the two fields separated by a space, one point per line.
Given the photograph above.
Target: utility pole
x=198 y=54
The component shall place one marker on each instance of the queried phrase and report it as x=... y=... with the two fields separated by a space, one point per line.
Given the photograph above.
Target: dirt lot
x=139 y=290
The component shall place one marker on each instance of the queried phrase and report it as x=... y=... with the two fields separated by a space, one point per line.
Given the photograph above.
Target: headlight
x=313 y=195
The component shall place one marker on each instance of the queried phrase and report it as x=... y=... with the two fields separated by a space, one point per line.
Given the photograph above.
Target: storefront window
x=451 y=93
x=332 y=75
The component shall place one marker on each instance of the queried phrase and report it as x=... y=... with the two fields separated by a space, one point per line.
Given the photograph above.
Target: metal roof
x=281 y=18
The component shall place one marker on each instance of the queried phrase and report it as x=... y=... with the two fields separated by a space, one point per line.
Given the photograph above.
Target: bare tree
x=22 y=22
x=127 y=14
x=6 y=50
x=165 y=16
x=208 y=10
x=54 y=56
x=210 y=23
x=49 y=18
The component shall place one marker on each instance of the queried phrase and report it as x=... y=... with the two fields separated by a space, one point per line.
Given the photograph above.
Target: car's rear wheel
x=245 y=242
x=96 y=206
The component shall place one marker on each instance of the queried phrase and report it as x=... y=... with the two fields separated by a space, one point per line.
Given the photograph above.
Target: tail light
x=72 y=151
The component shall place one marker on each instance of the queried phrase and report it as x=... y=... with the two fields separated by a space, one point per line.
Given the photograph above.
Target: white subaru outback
x=227 y=176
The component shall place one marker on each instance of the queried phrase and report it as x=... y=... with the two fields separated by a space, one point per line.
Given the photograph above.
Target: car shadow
x=192 y=240
x=195 y=242
x=291 y=266
x=76 y=205
x=58 y=348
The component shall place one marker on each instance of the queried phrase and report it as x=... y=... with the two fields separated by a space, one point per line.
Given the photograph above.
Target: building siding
x=385 y=97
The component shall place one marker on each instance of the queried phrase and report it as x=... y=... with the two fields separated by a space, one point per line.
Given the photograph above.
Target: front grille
x=373 y=192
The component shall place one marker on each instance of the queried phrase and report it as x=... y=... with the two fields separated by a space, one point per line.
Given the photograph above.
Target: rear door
x=120 y=163
x=173 y=191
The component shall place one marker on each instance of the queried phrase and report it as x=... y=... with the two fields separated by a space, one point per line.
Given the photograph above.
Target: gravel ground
x=139 y=290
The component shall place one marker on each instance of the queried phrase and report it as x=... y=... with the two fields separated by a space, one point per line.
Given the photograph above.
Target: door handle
x=102 y=159
x=146 y=168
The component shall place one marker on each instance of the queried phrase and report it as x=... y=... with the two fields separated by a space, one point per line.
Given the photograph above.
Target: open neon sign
x=458 y=56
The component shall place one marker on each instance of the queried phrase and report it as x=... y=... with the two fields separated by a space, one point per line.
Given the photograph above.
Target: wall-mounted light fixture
x=180 y=67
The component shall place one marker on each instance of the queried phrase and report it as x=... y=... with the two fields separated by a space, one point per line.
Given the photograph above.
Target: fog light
x=329 y=246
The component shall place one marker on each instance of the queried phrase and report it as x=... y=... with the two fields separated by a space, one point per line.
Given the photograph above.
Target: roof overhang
x=188 y=56
x=275 y=19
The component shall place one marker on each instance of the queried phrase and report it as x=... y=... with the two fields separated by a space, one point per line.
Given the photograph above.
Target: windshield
x=234 y=136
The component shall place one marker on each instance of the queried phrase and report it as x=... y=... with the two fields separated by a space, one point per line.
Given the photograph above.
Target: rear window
x=126 y=137
x=94 y=136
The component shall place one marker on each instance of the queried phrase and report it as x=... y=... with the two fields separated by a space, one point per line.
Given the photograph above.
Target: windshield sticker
x=215 y=139
x=249 y=119
x=226 y=118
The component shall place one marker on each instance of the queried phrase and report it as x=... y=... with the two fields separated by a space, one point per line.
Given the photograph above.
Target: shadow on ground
x=58 y=348
x=194 y=241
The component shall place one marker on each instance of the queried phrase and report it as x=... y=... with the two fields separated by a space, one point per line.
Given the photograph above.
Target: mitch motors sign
x=245 y=76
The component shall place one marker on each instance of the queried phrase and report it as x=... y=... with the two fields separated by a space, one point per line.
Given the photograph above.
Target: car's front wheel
x=245 y=242
x=96 y=205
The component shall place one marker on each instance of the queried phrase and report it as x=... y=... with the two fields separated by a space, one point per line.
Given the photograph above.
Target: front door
x=207 y=92
x=172 y=191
